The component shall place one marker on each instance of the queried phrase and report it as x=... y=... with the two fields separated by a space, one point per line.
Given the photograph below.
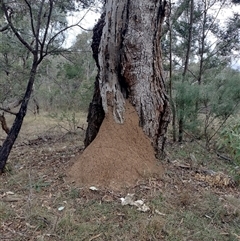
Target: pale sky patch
x=87 y=18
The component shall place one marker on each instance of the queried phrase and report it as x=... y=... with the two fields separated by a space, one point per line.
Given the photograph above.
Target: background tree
x=208 y=59
x=42 y=35
x=65 y=81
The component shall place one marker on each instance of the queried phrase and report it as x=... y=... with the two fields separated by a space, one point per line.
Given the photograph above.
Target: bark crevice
x=95 y=113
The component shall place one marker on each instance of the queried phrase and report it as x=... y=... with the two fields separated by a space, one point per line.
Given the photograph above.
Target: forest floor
x=196 y=198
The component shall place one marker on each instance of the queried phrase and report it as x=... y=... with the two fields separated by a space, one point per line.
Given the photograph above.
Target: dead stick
x=94 y=237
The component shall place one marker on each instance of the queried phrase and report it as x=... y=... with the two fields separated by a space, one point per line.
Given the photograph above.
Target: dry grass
x=181 y=207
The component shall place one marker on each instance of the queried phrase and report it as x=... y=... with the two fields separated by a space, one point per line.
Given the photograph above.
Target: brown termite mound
x=119 y=156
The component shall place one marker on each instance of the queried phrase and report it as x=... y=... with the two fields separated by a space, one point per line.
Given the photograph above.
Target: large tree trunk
x=130 y=67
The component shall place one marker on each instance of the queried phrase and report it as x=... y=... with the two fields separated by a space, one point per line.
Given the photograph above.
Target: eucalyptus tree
x=126 y=47
x=41 y=35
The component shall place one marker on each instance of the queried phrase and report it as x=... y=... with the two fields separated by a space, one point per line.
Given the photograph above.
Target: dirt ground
x=38 y=201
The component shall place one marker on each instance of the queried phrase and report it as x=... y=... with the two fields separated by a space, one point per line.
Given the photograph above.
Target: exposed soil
x=119 y=156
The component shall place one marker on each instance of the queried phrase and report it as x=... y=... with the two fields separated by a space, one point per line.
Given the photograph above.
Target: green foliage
x=213 y=101
x=65 y=82
x=69 y=85
x=71 y=71
x=230 y=139
x=204 y=88
x=224 y=95
x=186 y=98
x=229 y=142
x=14 y=65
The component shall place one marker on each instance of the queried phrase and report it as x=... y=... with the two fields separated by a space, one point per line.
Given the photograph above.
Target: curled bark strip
x=4 y=123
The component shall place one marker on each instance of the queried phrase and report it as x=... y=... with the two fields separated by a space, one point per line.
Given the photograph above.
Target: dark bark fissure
x=125 y=88
x=96 y=113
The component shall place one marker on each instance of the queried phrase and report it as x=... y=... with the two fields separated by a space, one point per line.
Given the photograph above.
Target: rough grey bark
x=130 y=65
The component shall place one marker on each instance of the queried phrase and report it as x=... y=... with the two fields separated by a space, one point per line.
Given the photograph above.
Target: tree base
x=119 y=156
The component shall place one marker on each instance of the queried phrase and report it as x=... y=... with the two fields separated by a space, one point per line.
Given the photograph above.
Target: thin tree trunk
x=177 y=14
x=181 y=117
x=202 y=47
x=130 y=66
x=170 y=76
x=14 y=131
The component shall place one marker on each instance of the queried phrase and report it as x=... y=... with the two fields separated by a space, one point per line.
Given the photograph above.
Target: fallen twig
x=94 y=237
x=224 y=157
